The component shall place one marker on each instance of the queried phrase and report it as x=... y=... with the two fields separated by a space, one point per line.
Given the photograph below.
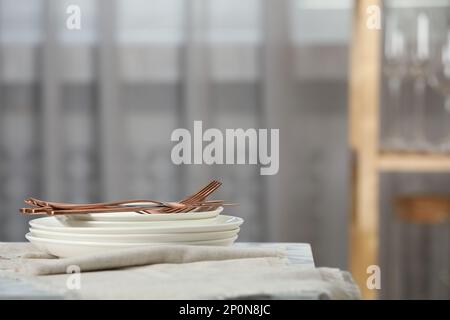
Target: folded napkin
x=23 y=258
x=176 y=272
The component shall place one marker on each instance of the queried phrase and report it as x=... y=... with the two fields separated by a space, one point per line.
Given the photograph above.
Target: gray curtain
x=87 y=114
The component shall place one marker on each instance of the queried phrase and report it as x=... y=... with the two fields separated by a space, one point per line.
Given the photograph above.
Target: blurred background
x=86 y=115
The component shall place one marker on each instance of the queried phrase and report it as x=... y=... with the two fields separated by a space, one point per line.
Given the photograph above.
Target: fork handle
x=63 y=206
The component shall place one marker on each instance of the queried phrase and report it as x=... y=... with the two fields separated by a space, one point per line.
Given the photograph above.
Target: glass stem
x=418 y=125
x=447 y=104
x=446 y=142
x=396 y=134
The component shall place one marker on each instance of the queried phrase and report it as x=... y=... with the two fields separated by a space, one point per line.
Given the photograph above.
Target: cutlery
x=191 y=203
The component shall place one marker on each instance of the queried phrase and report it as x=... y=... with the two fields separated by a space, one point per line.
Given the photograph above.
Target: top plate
x=220 y=223
x=133 y=216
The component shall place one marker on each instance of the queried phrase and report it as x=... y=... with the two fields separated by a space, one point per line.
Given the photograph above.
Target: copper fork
x=124 y=203
x=138 y=209
x=196 y=197
x=199 y=196
x=190 y=203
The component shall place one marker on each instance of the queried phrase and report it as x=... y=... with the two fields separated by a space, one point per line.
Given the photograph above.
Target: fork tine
x=199 y=191
x=196 y=197
x=201 y=196
x=206 y=193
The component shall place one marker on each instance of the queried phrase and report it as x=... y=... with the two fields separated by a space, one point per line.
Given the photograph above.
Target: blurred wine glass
x=439 y=77
x=395 y=71
x=418 y=47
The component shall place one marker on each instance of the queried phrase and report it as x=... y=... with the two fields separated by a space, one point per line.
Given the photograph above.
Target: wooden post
x=364 y=102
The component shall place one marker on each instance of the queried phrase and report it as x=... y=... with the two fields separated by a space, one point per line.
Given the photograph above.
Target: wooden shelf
x=415 y=162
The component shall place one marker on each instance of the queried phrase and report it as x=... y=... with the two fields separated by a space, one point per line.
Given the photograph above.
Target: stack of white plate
x=66 y=236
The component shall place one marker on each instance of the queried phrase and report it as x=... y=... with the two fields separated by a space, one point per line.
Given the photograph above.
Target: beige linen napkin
x=25 y=259
x=176 y=272
x=255 y=278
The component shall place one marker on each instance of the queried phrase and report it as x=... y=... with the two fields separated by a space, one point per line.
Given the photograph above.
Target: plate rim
x=135 y=217
x=28 y=236
x=127 y=236
x=238 y=221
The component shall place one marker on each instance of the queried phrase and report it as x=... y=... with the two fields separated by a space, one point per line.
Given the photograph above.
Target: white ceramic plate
x=220 y=223
x=126 y=224
x=134 y=238
x=63 y=249
x=133 y=216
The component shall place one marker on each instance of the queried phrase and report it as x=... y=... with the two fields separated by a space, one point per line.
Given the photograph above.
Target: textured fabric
x=24 y=259
x=176 y=272
x=228 y=279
